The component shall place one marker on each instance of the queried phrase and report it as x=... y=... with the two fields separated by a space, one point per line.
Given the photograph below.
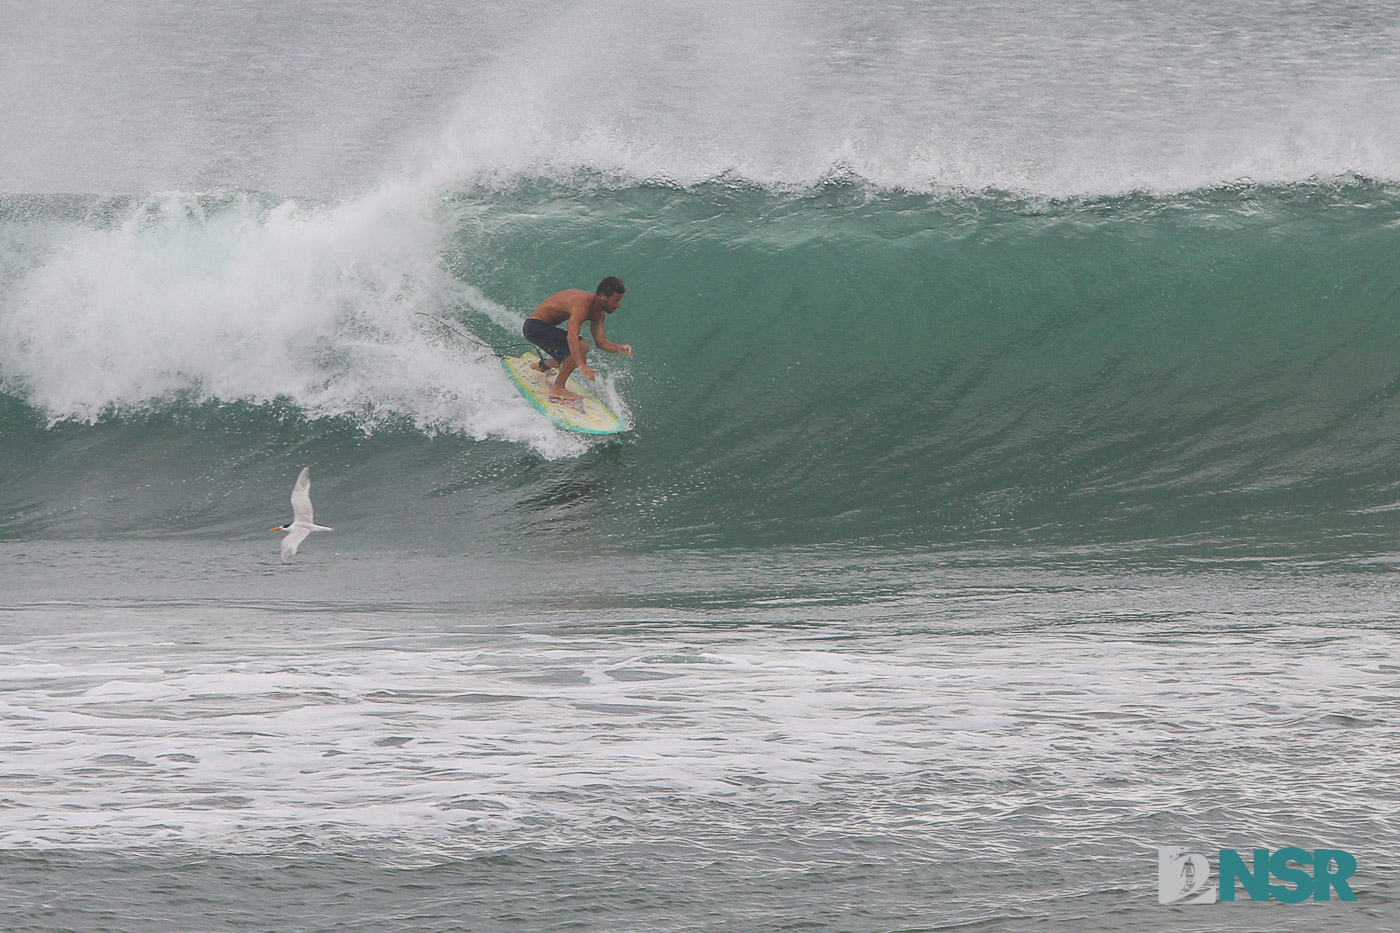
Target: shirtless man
x=568 y=349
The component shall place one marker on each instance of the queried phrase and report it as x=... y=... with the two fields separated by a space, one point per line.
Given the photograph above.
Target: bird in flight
x=302 y=523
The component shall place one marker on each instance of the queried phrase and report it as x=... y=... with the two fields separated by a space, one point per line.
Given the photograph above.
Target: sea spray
x=240 y=299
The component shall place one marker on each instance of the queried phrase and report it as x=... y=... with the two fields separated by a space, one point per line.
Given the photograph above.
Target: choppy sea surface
x=1010 y=485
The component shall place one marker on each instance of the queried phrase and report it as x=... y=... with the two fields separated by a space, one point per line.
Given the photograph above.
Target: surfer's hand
x=588 y=372
x=625 y=349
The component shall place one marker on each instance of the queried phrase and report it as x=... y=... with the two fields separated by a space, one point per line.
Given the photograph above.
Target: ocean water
x=1010 y=487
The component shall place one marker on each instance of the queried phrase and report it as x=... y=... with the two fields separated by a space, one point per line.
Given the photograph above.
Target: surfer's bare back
x=568 y=349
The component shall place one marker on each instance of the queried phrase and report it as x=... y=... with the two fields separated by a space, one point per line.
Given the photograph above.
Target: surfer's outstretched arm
x=603 y=343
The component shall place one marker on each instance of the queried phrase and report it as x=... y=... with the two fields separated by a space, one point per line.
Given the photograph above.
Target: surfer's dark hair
x=612 y=285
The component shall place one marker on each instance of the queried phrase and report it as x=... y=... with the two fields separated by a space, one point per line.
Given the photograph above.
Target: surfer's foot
x=570 y=399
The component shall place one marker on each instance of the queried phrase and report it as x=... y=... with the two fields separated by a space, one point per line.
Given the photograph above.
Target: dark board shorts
x=552 y=340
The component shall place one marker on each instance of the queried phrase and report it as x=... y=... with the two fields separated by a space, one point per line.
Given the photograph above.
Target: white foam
x=235 y=301
x=479 y=740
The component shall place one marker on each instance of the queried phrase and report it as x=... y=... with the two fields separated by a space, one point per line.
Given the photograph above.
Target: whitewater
x=1009 y=489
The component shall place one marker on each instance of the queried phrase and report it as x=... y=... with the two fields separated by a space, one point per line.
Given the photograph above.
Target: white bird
x=302 y=523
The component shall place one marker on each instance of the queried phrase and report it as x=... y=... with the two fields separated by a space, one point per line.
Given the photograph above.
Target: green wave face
x=861 y=366
x=812 y=367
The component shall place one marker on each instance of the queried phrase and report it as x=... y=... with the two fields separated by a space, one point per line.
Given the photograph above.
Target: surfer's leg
x=566 y=369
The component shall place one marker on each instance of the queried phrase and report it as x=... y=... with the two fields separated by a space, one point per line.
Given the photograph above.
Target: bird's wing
x=293 y=539
x=301 y=498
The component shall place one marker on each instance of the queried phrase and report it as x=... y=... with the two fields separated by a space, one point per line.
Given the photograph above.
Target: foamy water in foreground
x=192 y=725
x=1031 y=732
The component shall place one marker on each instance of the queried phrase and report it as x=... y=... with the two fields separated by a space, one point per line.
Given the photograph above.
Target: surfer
x=564 y=349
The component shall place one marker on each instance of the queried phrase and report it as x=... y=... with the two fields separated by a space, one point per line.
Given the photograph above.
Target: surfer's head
x=610 y=290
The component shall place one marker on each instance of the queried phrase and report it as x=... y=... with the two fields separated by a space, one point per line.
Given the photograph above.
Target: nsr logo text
x=1184 y=877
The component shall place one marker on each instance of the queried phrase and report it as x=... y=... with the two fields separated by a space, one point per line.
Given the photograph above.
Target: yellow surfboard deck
x=590 y=416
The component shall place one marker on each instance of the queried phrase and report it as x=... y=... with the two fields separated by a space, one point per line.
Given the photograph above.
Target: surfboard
x=589 y=416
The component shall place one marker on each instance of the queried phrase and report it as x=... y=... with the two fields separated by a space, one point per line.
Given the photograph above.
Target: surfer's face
x=610 y=303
